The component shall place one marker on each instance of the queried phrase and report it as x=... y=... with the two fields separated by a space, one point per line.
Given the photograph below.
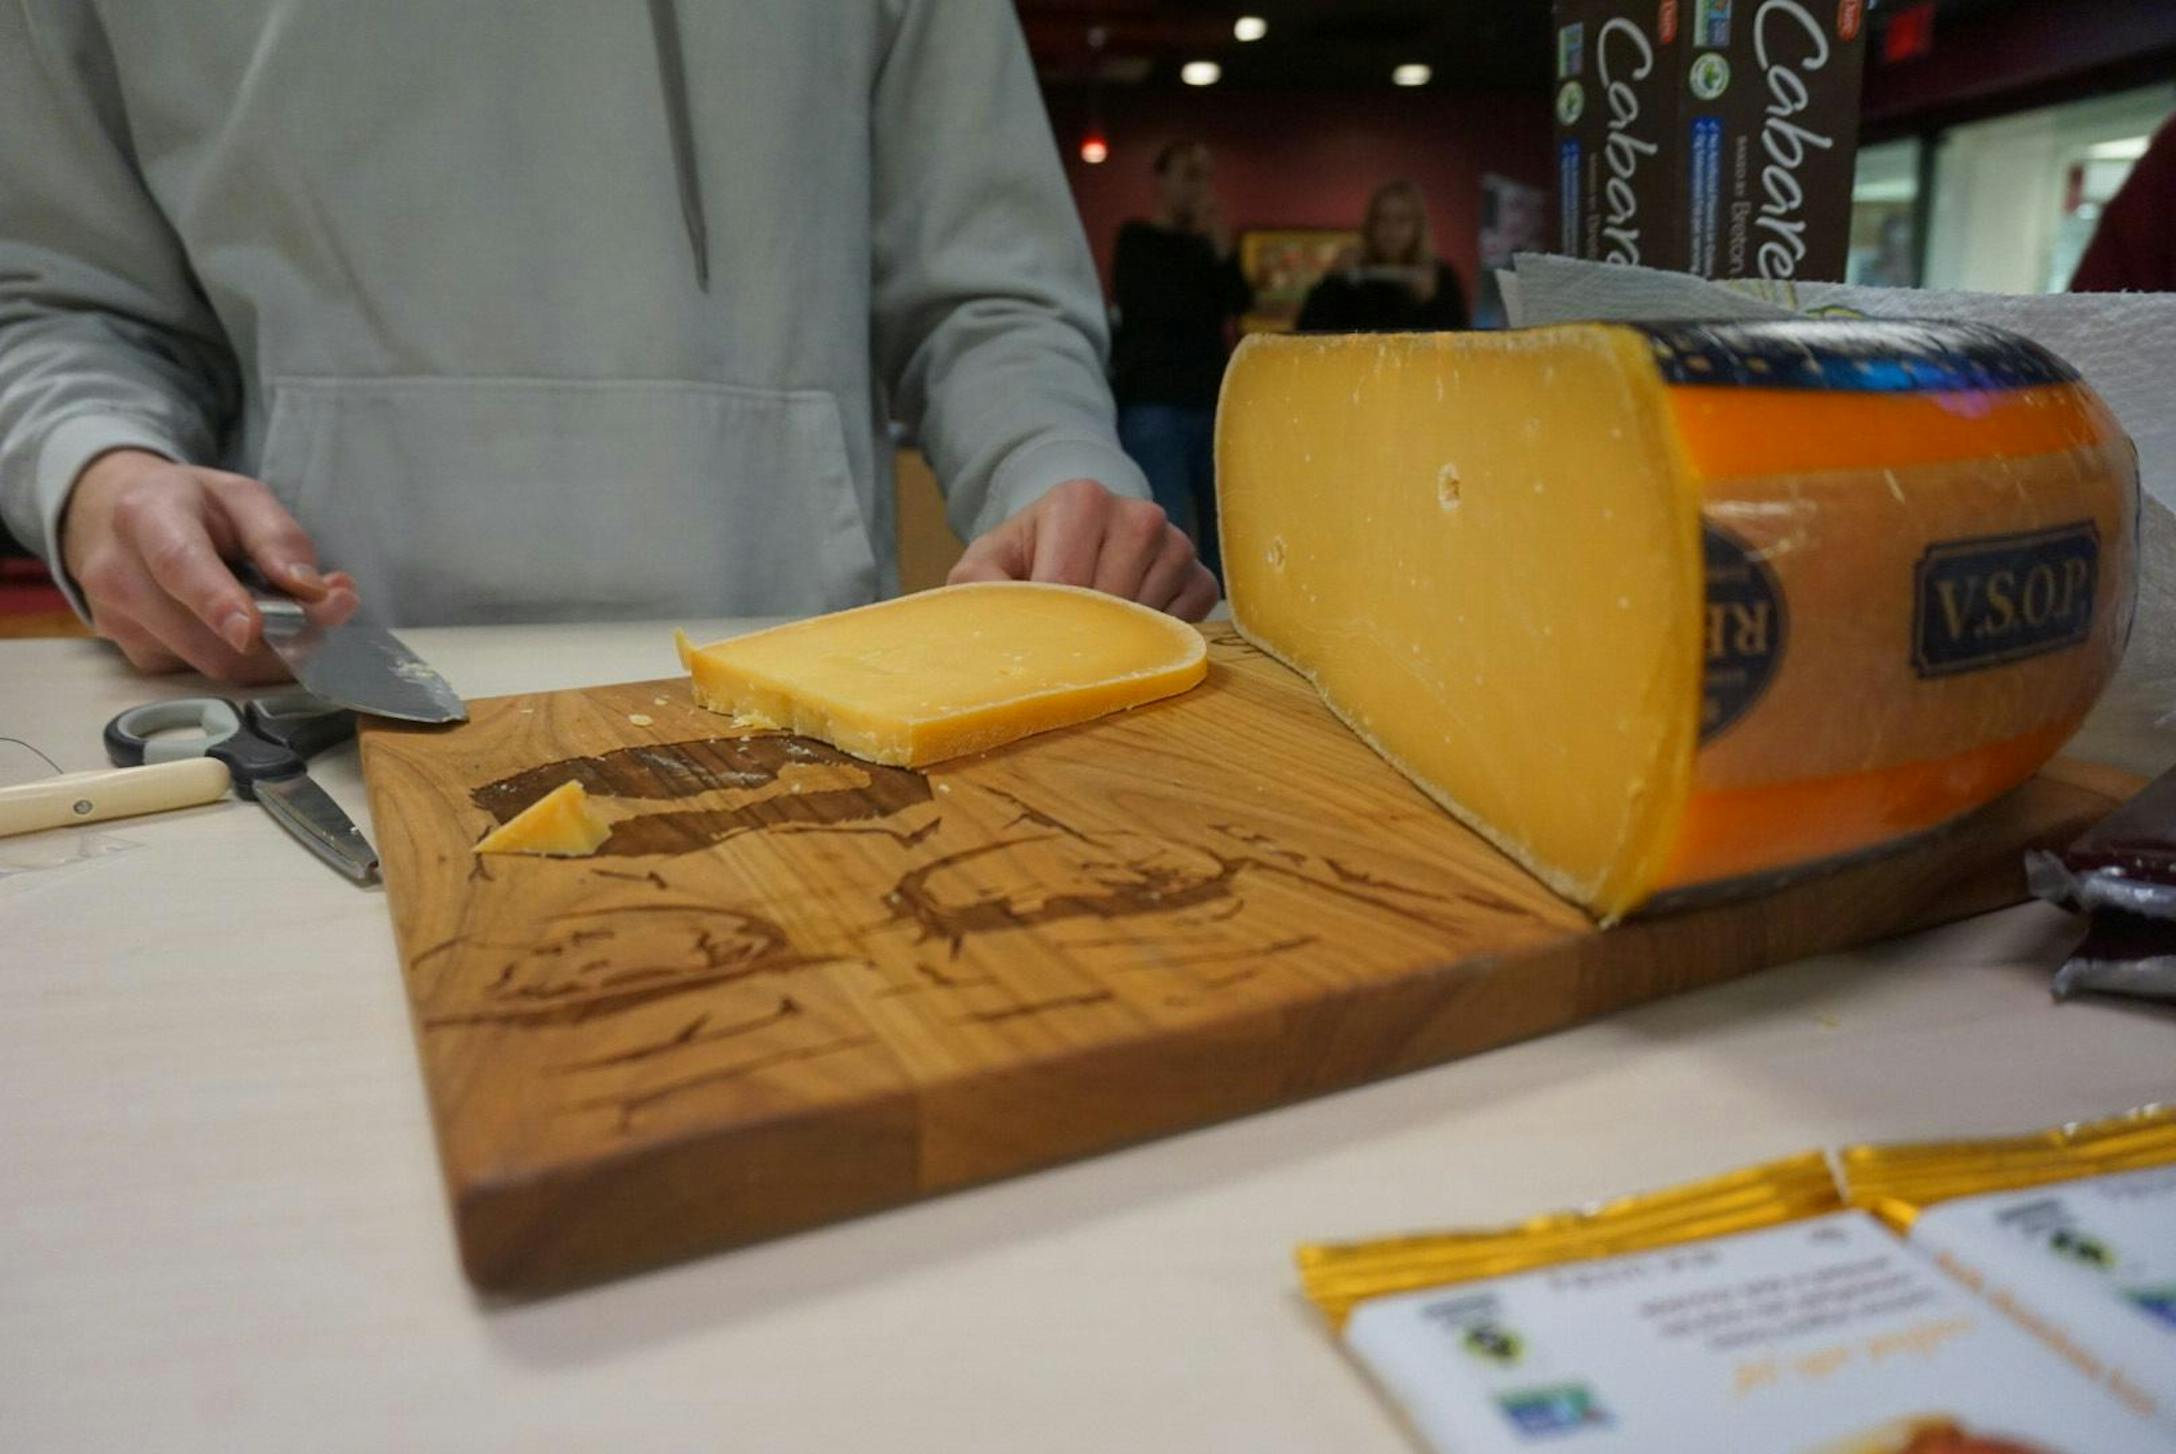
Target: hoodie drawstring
x=672 y=84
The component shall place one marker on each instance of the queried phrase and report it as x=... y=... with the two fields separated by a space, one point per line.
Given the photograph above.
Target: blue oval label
x=2001 y=598
x=1746 y=626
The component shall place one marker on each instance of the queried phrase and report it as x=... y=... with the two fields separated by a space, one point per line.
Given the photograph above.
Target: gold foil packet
x=1340 y=1275
x=2070 y=1234
x=1765 y=1309
x=1899 y=1182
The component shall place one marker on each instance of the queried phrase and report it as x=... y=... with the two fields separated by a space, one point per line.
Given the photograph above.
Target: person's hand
x=1080 y=534
x=148 y=542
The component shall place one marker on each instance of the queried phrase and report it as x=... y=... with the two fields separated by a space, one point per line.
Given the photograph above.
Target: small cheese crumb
x=640 y=719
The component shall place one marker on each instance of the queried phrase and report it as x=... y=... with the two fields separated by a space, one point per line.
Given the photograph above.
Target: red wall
x=1309 y=159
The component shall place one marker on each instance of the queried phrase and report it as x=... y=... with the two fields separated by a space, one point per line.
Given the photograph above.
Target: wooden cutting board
x=793 y=987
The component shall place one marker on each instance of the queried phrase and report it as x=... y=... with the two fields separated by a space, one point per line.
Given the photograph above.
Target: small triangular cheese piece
x=942 y=673
x=561 y=824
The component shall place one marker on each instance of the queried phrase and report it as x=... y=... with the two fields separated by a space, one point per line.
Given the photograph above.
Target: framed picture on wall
x=1282 y=264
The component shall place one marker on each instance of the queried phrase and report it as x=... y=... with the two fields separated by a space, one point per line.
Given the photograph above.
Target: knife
x=356 y=665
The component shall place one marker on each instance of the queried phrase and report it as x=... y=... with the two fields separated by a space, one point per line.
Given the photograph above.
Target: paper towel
x=2123 y=343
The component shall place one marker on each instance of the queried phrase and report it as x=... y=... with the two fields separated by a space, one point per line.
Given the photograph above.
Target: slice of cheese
x=561 y=824
x=1657 y=608
x=950 y=671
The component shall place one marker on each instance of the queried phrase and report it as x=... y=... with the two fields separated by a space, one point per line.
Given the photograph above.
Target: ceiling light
x=1250 y=27
x=2130 y=149
x=1411 y=75
x=1201 y=73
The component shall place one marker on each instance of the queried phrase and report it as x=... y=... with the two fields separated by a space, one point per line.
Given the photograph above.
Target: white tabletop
x=221 y=1223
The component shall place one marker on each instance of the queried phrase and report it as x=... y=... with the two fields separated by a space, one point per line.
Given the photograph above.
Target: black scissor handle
x=135 y=737
x=220 y=733
x=303 y=724
x=255 y=759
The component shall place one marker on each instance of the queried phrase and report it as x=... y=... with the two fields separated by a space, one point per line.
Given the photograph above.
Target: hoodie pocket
x=461 y=499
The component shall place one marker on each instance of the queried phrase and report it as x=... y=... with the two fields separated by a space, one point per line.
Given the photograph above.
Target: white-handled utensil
x=123 y=792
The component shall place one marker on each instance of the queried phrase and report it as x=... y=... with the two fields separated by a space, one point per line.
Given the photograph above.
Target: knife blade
x=357 y=665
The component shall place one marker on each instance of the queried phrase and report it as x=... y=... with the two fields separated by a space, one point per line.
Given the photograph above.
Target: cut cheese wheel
x=561 y=824
x=950 y=671
x=1658 y=608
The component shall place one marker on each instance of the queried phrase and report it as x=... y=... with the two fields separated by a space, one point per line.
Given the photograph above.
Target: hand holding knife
x=152 y=546
x=356 y=665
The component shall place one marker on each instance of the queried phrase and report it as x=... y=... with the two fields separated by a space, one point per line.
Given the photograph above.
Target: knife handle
x=93 y=797
x=282 y=613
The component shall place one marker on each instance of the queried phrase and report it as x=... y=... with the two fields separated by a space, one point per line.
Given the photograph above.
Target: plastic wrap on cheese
x=1667 y=609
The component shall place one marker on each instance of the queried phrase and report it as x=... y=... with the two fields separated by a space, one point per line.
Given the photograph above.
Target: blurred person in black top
x=1394 y=282
x=1178 y=284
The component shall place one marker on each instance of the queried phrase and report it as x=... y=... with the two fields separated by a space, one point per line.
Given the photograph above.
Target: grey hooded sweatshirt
x=548 y=309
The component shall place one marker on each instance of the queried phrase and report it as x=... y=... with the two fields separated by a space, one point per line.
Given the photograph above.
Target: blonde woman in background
x=1394 y=282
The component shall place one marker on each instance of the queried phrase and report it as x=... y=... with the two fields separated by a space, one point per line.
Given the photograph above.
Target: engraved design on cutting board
x=1020 y=883
x=1012 y=915
x=573 y=972
x=747 y=784
x=625 y=1017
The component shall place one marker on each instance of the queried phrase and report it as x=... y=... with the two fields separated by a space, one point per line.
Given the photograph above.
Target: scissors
x=263 y=744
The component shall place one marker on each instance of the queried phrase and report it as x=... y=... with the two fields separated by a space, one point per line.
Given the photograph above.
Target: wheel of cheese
x=1662 y=608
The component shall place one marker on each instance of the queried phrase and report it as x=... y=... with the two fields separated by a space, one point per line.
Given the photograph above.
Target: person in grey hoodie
x=550 y=310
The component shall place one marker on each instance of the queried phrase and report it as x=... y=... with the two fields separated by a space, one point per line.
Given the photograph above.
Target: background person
x=1394 y=282
x=1178 y=287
